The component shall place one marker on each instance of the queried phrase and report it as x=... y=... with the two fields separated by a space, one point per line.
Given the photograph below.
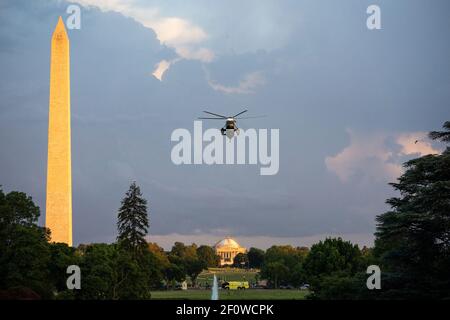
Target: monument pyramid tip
x=60 y=29
x=60 y=25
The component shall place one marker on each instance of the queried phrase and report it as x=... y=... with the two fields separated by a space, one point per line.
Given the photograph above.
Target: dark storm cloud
x=328 y=73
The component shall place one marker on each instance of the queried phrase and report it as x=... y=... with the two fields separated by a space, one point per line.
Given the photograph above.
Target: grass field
x=250 y=294
x=227 y=274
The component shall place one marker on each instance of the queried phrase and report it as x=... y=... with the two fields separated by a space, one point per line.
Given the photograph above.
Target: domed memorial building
x=227 y=249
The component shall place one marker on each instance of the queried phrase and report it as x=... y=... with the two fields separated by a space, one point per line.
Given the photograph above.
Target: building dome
x=227 y=249
x=227 y=243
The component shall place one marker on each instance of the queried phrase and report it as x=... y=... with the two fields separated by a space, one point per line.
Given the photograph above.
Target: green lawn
x=250 y=294
x=227 y=274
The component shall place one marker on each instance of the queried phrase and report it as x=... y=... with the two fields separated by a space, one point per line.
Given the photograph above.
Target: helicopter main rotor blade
x=239 y=114
x=215 y=114
x=211 y=118
x=251 y=117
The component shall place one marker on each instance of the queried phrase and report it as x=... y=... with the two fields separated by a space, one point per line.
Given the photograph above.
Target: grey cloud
x=325 y=78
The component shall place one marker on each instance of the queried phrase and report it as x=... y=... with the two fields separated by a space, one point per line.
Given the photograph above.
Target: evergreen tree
x=133 y=221
x=442 y=135
x=413 y=238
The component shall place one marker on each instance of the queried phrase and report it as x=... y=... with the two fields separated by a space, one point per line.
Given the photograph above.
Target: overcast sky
x=349 y=102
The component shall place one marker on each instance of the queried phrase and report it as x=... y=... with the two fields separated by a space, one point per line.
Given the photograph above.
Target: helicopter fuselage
x=230 y=124
x=230 y=127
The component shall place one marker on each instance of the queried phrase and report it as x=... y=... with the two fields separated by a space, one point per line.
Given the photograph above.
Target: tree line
x=412 y=249
x=31 y=266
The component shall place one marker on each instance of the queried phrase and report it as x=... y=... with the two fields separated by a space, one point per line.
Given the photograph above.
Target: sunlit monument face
x=58 y=216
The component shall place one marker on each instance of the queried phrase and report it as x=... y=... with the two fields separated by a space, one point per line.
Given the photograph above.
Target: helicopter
x=230 y=127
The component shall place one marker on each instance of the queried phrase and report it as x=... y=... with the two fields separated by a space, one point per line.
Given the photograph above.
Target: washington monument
x=58 y=215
